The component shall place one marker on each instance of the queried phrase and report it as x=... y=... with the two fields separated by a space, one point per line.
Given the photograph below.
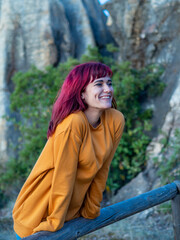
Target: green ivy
x=33 y=97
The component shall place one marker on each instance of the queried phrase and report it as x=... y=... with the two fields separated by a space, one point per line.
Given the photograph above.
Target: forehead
x=106 y=78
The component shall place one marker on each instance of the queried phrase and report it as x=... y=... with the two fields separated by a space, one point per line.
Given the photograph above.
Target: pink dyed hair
x=69 y=98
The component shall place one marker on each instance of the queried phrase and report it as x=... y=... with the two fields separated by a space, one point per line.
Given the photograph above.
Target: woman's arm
x=66 y=151
x=94 y=196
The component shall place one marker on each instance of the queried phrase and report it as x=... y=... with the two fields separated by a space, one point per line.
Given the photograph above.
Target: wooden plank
x=80 y=226
x=175 y=203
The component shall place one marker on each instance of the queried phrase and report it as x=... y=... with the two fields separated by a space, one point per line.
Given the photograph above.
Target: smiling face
x=99 y=94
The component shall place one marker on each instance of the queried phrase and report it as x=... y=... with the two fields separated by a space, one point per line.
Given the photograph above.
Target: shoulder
x=74 y=122
x=114 y=116
x=115 y=122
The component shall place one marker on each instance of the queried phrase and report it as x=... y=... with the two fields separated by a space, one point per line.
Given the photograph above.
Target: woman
x=70 y=175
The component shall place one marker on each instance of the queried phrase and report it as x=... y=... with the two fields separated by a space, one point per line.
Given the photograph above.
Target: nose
x=107 y=88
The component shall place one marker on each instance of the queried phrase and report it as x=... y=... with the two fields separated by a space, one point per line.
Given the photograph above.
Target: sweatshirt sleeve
x=94 y=196
x=66 y=151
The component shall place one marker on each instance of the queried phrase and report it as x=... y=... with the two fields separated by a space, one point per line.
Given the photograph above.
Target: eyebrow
x=100 y=80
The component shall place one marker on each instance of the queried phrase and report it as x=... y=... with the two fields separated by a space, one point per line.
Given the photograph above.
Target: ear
x=82 y=95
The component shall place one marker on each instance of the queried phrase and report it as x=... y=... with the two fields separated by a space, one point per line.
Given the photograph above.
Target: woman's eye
x=98 y=84
x=110 y=84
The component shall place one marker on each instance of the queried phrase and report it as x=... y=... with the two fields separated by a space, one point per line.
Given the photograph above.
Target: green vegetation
x=36 y=90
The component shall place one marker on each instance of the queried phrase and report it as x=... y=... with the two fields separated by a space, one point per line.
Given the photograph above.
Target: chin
x=107 y=106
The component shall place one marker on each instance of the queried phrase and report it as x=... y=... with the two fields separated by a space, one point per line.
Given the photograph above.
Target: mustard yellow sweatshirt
x=70 y=175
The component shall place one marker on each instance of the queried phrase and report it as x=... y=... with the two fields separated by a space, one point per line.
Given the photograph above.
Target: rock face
x=146 y=32
x=43 y=33
x=26 y=39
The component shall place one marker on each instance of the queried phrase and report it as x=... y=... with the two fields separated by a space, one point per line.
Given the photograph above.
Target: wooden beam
x=175 y=203
x=80 y=226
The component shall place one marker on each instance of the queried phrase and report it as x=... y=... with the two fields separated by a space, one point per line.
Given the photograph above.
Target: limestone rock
x=143 y=29
x=81 y=32
x=98 y=20
x=136 y=187
x=26 y=39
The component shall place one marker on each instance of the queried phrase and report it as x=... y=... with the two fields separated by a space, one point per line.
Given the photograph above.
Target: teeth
x=106 y=97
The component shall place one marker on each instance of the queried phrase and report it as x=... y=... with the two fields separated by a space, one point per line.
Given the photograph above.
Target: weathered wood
x=81 y=226
x=175 y=203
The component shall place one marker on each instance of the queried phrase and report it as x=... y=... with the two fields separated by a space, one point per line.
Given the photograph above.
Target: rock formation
x=26 y=39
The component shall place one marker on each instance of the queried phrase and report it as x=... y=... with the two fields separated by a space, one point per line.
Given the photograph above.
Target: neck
x=93 y=116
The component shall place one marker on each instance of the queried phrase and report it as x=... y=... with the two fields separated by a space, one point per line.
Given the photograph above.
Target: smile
x=105 y=97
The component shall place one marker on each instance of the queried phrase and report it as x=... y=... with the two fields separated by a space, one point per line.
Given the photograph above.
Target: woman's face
x=99 y=93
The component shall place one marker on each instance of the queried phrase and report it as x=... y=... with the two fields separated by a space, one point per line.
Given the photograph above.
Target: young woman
x=70 y=175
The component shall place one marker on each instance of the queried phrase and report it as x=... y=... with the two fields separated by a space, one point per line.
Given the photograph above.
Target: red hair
x=69 y=96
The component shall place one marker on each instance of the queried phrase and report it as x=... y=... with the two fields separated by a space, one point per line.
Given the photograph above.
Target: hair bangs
x=100 y=70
